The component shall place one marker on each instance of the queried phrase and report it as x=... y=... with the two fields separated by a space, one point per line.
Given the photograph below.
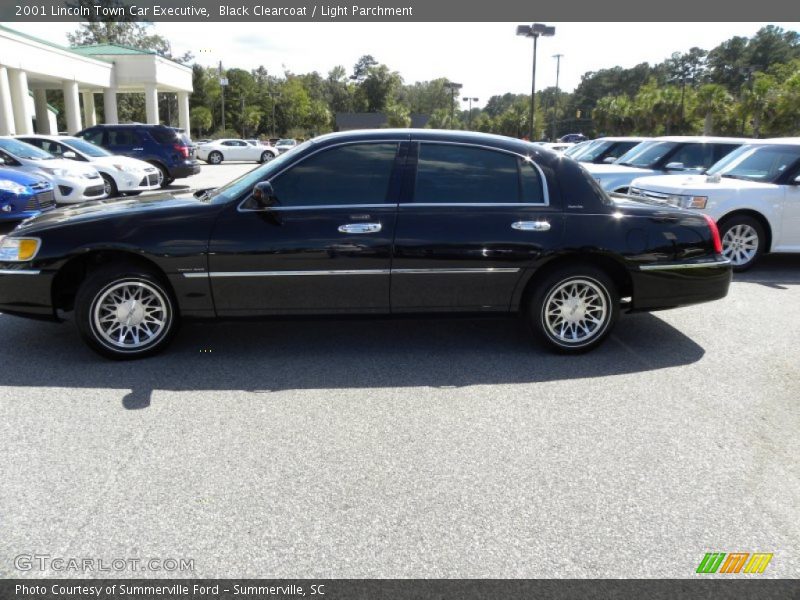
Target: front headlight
x=124 y=168
x=57 y=172
x=14 y=249
x=684 y=201
x=10 y=186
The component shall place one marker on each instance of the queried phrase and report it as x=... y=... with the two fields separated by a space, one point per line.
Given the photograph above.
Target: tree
x=201 y=120
x=378 y=88
x=712 y=99
x=362 y=67
x=398 y=116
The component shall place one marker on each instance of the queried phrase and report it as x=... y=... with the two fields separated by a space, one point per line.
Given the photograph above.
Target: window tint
x=122 y=137
x=95 y=136
x=164 y=136
x=459 y=174
x=722 y=150
x=694 y=156
x=351 y=174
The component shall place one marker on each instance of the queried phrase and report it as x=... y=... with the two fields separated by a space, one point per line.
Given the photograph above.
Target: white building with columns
x=31 y=65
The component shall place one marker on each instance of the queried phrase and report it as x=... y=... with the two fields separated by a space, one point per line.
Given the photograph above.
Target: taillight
x=183 y=150
x=712 y=224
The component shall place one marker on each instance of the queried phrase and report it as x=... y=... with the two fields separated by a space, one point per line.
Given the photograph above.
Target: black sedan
x=370 y=222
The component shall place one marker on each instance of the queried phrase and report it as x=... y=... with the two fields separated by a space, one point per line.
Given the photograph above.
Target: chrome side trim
x=682 y=266
x=19 y=272
x=321 y=206
x=288 y=273
x=456 y=271
x=479 y=204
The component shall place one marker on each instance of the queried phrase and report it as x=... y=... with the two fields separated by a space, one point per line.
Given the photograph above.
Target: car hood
x=71 y=166
x=696 y=184
x=110 y=209
x=20 y=177
x=124 y=161
x=611 y=170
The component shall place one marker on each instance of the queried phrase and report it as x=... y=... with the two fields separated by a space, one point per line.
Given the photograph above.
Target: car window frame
x=393 y=190
x=408 y=199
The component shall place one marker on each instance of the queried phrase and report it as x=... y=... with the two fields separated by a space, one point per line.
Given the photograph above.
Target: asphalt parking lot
x=413 y=447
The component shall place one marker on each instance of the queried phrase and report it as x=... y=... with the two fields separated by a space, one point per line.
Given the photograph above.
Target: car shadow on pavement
x=271 y=356
x=774 y=271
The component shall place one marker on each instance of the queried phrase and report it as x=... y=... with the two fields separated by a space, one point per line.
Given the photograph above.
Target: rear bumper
x=185 y=169
x=667 y=285
x=25 y=292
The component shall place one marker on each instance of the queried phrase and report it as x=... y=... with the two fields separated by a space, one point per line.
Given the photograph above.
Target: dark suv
x=163 y=147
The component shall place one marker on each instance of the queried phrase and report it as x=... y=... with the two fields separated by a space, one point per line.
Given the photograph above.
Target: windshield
x=593 y=151
x=646 y=154
x=285 y=142
x=23 y=150
x=247 y=182
x=87 y=148
x=757 y=163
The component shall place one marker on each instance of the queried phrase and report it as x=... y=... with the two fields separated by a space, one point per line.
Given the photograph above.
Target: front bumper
x=25 y=291
x=71 y=190
x=138 y=181
x=668 y=285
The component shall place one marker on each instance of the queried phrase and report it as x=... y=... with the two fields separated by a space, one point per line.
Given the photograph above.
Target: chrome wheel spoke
x=575 y=311
x=131 y=314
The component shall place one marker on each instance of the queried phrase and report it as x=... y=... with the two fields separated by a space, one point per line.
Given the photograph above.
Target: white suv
x=670 y=154
x=753 y=193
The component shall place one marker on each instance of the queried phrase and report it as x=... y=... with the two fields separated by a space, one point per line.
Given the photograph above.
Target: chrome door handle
x=360 y=228
x=531 y=226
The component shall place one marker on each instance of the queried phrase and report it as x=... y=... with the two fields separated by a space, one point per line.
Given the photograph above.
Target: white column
x=72 y=107
x=42 y=114
x=183 y=112
x=151 y=103
x=6 y=108
x=110 y=106
x=18 y=83
x=89 y=114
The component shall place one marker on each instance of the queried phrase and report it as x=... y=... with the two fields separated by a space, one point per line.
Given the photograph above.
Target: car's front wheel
x=743 y=241
x=574 y=308
x=109 y=185
x=125 y=311
x=215 y=158
x=266 y=156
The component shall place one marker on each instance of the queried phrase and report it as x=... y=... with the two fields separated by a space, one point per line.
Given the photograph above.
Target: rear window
x=164 y=136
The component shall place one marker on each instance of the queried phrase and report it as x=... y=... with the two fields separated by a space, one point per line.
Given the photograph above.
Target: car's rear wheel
x=125 y=311
x=109 y=185
x=574 y=308
x=215 y=158
x=266 y=156
x=743 y=241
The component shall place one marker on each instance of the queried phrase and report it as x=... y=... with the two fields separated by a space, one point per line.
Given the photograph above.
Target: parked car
x=23 y=195
x=753 y=194
x=168 y=150
x=607 y=150
x=284 y=145
x=577 y=148
x=573 y=138
x=121 y=174
x=671 y=155
x=73 y=182
x=231 y=149
x=376 y=222
x=556 y=146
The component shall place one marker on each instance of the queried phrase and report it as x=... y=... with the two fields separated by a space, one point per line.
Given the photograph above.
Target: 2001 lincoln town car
x=384 y=221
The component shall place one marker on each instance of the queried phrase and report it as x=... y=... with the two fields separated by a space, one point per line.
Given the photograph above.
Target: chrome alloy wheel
x=130 y=315
x=740 y=244
x=576 y=311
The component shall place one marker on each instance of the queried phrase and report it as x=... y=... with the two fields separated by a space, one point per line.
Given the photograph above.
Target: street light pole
x=534 y=31
x=555 y=102
x=453 y=87
x=469 y=114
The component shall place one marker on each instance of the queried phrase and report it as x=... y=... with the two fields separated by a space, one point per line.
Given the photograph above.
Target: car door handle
x=360 y=228
x=531 y=226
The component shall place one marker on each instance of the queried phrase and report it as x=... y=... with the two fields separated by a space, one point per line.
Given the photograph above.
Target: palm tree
x=712 y=100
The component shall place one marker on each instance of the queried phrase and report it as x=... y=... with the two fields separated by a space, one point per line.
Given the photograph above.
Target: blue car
x=23 y=195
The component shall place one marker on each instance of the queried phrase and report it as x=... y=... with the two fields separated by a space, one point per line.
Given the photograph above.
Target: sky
x=486 y=58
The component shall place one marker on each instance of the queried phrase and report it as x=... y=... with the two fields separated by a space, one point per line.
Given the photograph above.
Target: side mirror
x=610 y=159
x=69 y=154
x=675 y=166
x=796 y=180
x=264 y=195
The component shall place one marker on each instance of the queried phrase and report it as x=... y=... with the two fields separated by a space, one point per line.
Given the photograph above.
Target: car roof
x=702 y=139
x=621 y=138
x=45 y=136
x=795 y=141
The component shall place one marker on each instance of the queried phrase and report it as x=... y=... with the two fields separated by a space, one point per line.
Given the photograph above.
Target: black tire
x=109 y=185
x=737 y=244
x=563 y=284
x=215 y=158
x=165 y=179
x=97 y=321
x=266 y=156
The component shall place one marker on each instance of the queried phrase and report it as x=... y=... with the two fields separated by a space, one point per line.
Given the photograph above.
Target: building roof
x=109 y=49
x=374 y=120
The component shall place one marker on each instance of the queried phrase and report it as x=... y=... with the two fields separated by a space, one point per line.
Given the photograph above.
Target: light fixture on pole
x=453 y=87
x=534 y=31
x=469 y=114
x=555 y=101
